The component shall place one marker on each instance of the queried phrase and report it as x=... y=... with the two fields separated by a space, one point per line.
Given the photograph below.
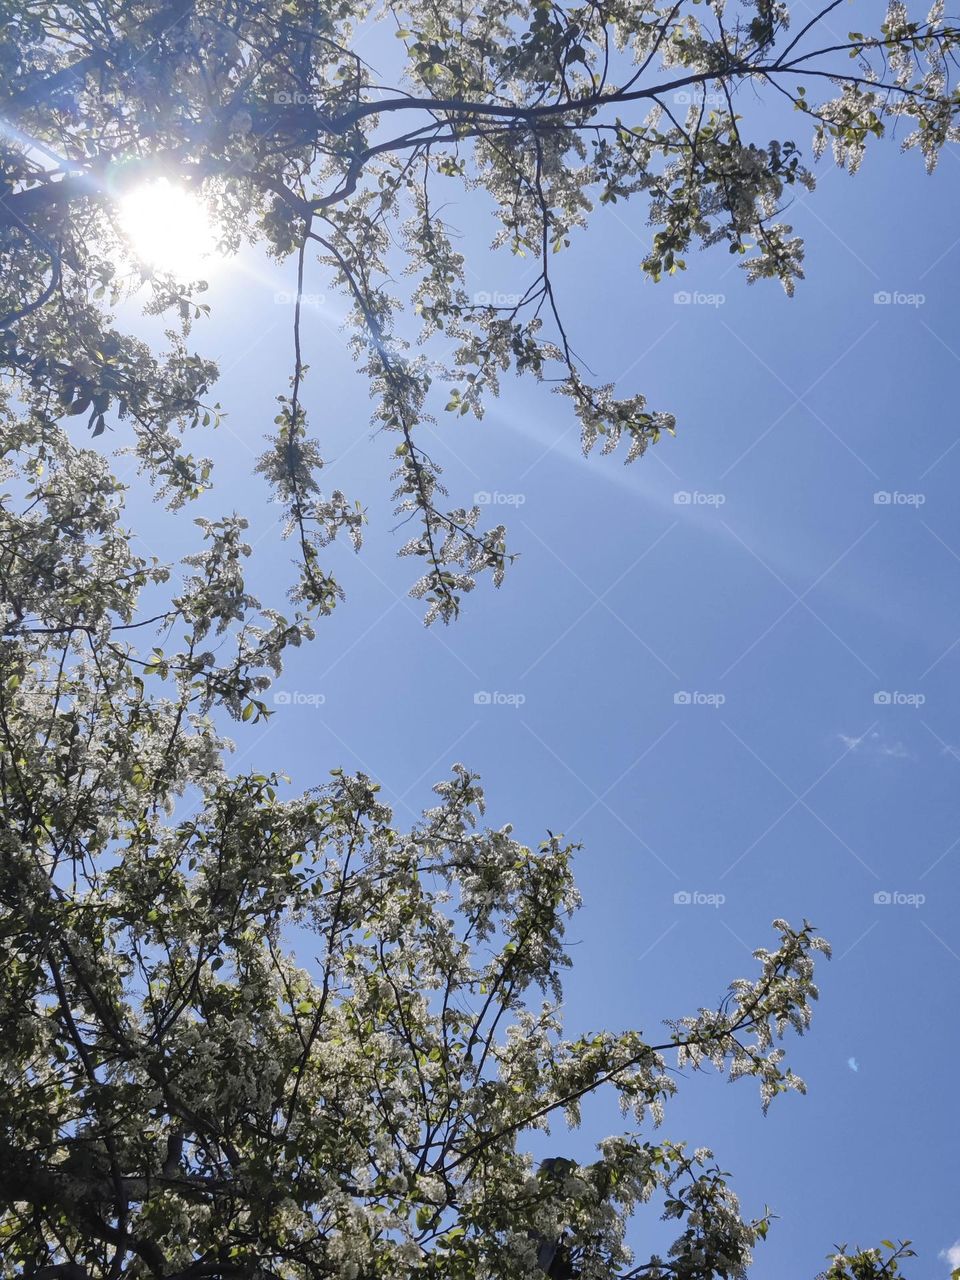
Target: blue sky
x=750 y=694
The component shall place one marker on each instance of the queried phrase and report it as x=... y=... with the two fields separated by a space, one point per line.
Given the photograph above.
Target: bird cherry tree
x=248 y=1034
x=546 y=110
x=254 y=1035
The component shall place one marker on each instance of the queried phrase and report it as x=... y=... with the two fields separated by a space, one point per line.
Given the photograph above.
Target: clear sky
x=749 y=698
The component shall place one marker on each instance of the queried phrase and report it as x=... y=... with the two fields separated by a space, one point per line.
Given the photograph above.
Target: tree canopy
x=183 y=1096
x=548 y=110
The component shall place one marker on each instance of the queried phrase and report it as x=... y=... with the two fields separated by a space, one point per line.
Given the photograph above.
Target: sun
x=169 y=229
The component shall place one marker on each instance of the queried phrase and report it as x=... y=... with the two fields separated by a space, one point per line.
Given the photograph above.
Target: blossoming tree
x=181 y=1097
x=549 y=109
x=248 y=1035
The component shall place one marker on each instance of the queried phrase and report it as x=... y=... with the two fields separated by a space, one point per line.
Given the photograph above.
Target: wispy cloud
x=952 y=1255
x=874 y=744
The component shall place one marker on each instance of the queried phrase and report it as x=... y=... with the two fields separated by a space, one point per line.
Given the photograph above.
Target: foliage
x=870 y=1264
x=549 y=110
x=181 y=1096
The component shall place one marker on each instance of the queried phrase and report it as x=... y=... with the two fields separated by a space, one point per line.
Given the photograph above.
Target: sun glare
x=169 y=229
